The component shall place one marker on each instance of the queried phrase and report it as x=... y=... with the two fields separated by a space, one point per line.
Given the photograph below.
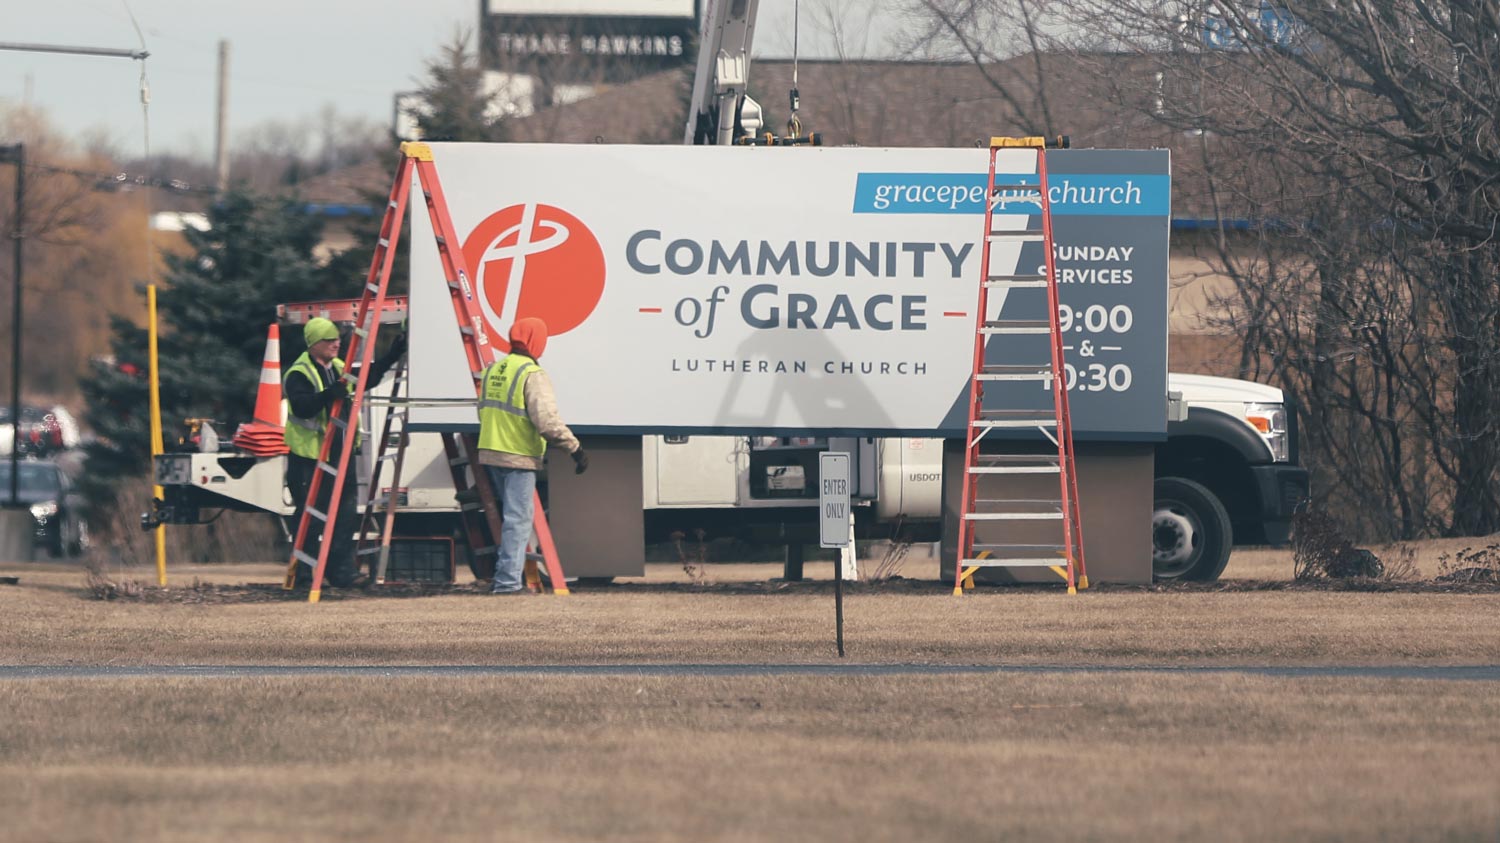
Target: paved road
x=1483 y=673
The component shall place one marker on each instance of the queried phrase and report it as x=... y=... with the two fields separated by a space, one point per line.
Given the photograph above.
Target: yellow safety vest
x=503 y=423
x=304 y=437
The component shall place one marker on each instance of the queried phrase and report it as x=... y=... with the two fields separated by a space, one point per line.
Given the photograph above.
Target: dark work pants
x=341 y=568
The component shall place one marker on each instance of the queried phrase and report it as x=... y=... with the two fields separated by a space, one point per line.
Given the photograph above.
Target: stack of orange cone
x=266 y=435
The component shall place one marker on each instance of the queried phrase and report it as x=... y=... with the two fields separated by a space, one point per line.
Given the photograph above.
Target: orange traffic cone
x=268 y=397
x=266 y=435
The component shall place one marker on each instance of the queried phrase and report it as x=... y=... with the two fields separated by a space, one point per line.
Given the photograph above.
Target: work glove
x=580 y=461
x=338 y=389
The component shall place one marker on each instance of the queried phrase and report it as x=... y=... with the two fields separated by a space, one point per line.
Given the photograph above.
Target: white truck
x=1227 y=474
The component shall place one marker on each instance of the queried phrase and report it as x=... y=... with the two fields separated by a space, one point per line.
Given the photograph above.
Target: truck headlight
x=1270 y=421
x=43 y=511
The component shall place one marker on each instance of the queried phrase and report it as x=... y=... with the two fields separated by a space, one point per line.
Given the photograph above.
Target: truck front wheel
x=1190 y=532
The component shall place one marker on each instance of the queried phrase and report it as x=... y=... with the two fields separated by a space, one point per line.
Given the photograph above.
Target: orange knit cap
x=529 y=337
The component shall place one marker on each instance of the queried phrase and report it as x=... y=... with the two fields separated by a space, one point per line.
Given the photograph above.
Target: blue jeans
x=515 y=488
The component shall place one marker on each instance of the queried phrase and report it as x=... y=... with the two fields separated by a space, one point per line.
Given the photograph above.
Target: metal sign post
x=834 y=524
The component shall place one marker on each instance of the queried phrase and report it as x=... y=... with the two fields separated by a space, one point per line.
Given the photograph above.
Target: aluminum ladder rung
x=1016 y=562
x=994 y=546
x=1015 y=423
x=1018 y=458
x=1015 y=516
x=999 y=368
x=1025 y=236
x=1017 y=282
x=1032 y=375
x=318 y=514
x=1030 y=188
x=309 y=561
x=1015 y=326
x=1014 y=469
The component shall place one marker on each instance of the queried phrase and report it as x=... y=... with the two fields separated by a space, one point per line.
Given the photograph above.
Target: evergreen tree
x=213 y=311
x=457 y=105
x=354 y=262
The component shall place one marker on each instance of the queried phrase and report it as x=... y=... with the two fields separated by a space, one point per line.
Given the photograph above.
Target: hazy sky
x=288 y=60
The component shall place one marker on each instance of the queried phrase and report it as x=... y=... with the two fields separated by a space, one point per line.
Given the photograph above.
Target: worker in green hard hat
x=312 y=385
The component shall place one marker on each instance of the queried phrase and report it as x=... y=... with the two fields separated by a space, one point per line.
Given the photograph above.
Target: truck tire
x=1190 y=532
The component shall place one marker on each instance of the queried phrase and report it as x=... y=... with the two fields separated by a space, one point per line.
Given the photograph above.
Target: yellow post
x=156 y=446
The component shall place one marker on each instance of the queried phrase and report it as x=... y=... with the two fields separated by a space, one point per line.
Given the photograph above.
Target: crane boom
x=721 y=110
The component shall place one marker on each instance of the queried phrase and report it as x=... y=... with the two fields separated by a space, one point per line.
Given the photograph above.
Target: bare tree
x=86 y=244
x=275 y=155
x=1351 y=153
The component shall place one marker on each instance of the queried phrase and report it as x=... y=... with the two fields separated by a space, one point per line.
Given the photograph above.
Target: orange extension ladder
x=481 y=514
x=994 y=509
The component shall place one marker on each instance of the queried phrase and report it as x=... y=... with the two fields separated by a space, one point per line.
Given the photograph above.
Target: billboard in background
x=601 y=8
x=799 y=291
x=586 y=41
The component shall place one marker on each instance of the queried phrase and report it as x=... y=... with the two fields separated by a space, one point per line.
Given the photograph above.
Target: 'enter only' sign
x=833 y=499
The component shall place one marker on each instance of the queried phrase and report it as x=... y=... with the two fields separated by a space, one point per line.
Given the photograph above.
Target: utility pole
x=221 y=134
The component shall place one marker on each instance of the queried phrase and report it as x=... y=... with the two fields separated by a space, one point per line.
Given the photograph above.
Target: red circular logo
x=534 y=260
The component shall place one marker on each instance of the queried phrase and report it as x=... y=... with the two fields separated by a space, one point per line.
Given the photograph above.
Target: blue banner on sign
x=961 y=193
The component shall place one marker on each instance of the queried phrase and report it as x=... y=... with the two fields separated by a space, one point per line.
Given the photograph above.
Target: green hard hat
x=318 y=329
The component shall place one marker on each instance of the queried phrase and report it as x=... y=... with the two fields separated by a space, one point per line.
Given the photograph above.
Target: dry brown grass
x=1276 y=565
x=1051 y=756
x=50 y=619
x=750 y=758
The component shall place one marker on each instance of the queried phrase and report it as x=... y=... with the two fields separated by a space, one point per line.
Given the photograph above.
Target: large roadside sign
x=797 y=291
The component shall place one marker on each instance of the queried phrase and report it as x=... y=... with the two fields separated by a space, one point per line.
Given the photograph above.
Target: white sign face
x=606 y=8
x=833 y=499
x=733 y=290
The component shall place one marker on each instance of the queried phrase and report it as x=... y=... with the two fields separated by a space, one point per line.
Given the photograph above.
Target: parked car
x=54 y=502
x=43 y=432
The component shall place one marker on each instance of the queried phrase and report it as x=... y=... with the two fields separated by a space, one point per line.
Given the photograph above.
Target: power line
x=120 y=180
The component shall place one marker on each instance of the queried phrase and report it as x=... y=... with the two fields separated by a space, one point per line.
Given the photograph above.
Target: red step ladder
x=344 y=416
x=993 y=508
